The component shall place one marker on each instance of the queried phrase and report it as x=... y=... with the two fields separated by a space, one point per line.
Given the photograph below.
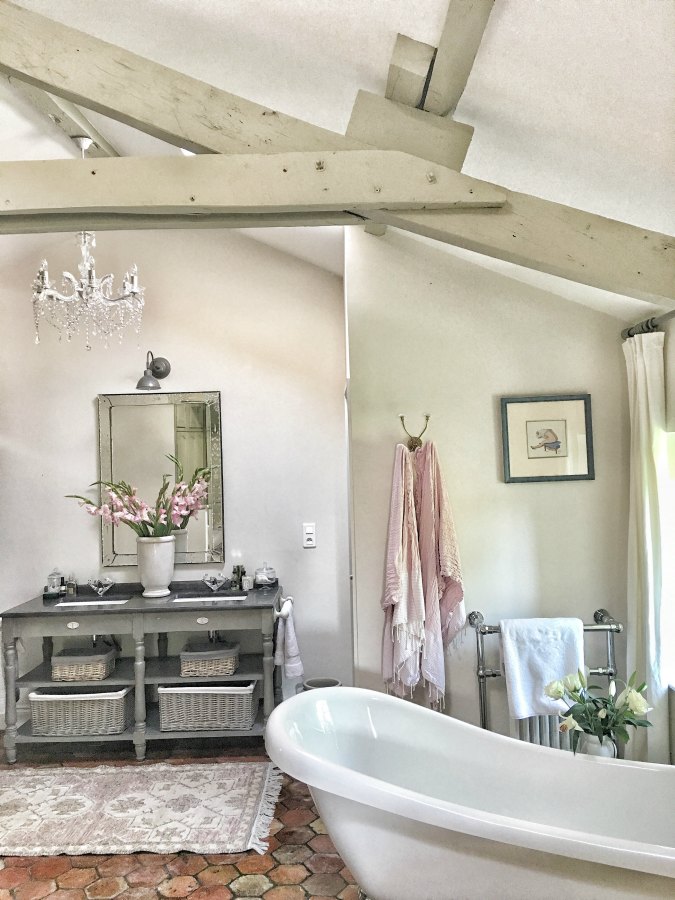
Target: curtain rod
x=647 y=326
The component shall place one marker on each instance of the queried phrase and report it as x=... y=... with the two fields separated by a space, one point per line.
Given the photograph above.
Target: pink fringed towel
x=423 y=597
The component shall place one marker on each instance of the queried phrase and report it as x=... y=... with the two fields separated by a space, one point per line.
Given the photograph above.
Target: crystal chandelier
x=90 y=306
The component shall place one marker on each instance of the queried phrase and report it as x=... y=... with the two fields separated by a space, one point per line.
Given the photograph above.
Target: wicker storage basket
x=204 y=658
x=80 y=711
x=208 y=708
x=83 y=664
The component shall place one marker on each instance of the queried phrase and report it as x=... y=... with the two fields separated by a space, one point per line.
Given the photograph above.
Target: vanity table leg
x=139 y=692
x=9 y=651
x=47 y=649
x=268 y=665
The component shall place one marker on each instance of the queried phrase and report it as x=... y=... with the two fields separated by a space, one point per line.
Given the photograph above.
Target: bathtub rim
x=307 y=766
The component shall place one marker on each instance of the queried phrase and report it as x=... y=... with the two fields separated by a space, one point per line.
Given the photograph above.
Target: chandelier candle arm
x=91 y=306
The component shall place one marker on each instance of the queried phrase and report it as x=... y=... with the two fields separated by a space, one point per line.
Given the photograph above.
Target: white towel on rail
x=287 y=652
x=535 y=652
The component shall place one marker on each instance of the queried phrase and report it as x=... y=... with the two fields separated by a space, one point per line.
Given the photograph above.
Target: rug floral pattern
x=210 y=808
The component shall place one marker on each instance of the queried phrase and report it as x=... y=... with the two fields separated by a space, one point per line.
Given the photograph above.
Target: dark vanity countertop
x=258 y=598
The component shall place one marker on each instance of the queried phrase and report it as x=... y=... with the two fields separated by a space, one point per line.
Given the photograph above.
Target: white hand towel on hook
x=534 y=653
x=287 y=652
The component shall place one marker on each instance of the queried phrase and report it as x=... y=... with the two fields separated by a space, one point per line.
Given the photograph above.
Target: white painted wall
x=230 y=314
x=430 y=332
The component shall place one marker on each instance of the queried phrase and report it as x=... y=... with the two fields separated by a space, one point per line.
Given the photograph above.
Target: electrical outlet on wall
x=309 y=535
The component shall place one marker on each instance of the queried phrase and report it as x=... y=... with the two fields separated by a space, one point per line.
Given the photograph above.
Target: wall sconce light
x=155 y=367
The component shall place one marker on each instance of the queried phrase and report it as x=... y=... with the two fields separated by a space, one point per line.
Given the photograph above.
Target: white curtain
x=648 y=542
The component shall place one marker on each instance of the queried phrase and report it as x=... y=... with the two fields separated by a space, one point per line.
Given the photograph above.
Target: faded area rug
x=224 y=807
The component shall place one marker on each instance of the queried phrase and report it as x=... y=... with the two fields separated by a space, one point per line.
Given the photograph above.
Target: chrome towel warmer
x=602 y=621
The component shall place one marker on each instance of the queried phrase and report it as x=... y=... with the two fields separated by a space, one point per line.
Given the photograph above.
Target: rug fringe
x=263 y=822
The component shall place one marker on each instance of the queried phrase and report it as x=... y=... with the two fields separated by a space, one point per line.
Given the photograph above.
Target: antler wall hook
x=414 y=441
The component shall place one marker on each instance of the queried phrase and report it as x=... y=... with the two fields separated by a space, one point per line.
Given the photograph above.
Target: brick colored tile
x=34 y=890
x=181 y=886
x=218 y=859
x=322 y=863
x=351 y=892
x=288 y=874
x=49 y=867
x=72 y=894
x=295 y=817
x=5 y=895
x=76 y=878
x=347 y=875
x=275 y=826
x=154 y=859
x=255 y=864
x=287 y=892
x=86 y=862
x=11 y=877
x=250 y=885
x=272 y=843
x=288 y=854
x=186 y=864
x=301 y=803
x=139 y=892
x=117 y=865
x=19 y=862
x=212 y=892
x=324 y=885
x=322 y=844
x=295 y=835
x=318 y=827
x=217 y=875
x=150 y=876
x=105 y=888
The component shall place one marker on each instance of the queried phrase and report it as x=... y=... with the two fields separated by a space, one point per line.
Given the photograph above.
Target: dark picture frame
x=547 y=438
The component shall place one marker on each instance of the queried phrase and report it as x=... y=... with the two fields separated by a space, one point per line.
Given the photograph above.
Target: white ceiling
x=571 y=100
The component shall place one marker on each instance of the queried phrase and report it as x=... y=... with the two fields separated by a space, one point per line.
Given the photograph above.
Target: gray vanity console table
x=191 y=607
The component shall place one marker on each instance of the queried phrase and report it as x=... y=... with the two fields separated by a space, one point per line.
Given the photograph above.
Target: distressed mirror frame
x=214 y=553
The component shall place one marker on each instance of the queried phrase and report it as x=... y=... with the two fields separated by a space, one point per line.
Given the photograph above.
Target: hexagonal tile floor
x=301 y=861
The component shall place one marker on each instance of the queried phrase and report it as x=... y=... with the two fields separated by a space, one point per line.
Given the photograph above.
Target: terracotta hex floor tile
x=294 y=835
x=318 y=826
x=34 y=890
x=117 y=865
x=86 y=862
x=322 y=863
x=288 y=854
x=49 y=867
x=12 y=877
x=276 y=825
x=154 y=859
x=5 y=894
x=76 y=878
x=139 y=892
x=250 y=885
x=295 y=817
x=105 y=888
x=186 y=864
x=181 y=886
x=288 y=874
x=347 y=875
x=256 y=864
x=212 y=892
x=322 y=844
x=217 y=875
x=219 y=859
x=273 y=843
x=287 y=892
x=351 y=892
x=325 y=885
x=18 y=862
x=70 y=894
x=150 y=876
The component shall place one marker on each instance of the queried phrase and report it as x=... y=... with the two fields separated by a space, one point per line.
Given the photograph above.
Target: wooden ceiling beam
x=67 y=117
x=408 y=71
x=457 y=48
x=238 y=184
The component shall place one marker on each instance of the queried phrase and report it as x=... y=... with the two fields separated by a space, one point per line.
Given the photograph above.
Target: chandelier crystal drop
x=90 y=304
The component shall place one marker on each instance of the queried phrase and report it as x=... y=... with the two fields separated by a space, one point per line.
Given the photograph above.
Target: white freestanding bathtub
x=425 y=807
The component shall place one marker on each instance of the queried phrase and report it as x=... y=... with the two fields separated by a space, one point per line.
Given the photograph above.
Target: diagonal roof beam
x=66 y=116
x=461 y=36
x=145 y=95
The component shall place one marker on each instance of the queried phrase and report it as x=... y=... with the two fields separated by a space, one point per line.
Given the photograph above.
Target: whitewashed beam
x=235 y=184
x=97 y=221
x=556 y=239
x=66 y=116
x=375 y=229
x=145 y=95
x=408 y=71
x=461 y=36
x=384 y=123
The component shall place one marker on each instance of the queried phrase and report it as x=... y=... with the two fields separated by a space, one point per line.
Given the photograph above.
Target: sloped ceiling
x=571 y=100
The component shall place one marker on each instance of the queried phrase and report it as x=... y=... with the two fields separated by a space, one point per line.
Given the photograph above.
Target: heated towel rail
x=538 y=729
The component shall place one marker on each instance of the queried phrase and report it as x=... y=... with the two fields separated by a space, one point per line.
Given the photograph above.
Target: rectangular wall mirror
x=136 y=433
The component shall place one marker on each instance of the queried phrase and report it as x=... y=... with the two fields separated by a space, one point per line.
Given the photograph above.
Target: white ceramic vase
x=591 y=746
x=155 y=564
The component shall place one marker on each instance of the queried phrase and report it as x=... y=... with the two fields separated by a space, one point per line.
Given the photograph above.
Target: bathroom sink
x=98 y=601
x=210 y=598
